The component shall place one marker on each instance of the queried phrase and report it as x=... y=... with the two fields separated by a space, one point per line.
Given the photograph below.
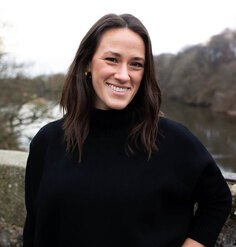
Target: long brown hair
x=77 y=98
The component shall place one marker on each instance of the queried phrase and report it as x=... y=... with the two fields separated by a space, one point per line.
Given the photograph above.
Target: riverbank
x=12 y=210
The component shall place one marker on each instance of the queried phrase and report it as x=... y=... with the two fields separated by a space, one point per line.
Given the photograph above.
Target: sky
x=45 y=34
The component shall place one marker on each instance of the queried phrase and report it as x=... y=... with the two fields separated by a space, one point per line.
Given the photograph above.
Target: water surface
x=216 y=131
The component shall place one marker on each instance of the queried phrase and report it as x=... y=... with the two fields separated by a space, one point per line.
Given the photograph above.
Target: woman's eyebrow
x=139 y=59
x=119 y=55
x=112 y=53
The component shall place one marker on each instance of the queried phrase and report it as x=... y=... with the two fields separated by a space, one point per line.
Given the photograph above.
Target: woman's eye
x=137 y=65
x=111 y=59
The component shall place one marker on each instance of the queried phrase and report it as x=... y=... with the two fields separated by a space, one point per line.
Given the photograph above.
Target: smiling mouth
x=118 y=89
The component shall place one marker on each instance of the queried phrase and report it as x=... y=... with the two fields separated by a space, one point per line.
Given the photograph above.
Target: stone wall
x=12 y=210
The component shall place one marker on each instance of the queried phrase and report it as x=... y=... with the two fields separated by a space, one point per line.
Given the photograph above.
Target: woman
x=113 y=172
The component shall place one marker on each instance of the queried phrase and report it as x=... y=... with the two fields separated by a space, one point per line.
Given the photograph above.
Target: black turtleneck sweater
x=115 y=200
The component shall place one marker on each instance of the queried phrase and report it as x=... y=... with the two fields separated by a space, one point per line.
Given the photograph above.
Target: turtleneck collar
x=110 y=121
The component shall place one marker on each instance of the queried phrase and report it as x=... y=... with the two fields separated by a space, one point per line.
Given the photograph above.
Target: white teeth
x=118 y=89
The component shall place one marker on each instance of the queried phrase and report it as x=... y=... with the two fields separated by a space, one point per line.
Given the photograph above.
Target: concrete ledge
x=13 y=158
x=230 y=176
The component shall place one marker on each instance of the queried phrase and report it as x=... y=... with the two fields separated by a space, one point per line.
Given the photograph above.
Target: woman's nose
x=122 y=74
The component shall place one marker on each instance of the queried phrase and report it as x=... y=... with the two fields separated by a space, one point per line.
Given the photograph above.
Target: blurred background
x=194 y=46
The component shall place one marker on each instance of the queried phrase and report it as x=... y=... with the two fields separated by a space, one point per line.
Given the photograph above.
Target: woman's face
x=117 y=68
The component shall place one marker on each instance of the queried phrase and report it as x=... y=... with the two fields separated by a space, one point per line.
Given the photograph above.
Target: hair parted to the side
x=77 y=98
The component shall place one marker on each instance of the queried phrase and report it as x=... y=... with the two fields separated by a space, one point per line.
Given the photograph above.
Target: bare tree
x=16 y=92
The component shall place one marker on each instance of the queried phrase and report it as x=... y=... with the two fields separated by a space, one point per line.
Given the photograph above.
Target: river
x=216 y=131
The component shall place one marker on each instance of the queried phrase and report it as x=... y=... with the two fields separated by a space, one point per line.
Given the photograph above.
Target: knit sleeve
x=33 y=174
x=214 y=204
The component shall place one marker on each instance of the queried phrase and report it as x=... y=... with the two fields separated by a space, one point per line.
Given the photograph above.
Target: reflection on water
x=215 y=130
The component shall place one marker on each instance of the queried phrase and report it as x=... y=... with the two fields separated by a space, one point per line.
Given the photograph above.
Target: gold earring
x=88 y=74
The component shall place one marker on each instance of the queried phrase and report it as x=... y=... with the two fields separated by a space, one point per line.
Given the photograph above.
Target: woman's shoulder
x=178 y=140
x=51 y=130
x=55 y=125
x=179 y=135
x=168 y=125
